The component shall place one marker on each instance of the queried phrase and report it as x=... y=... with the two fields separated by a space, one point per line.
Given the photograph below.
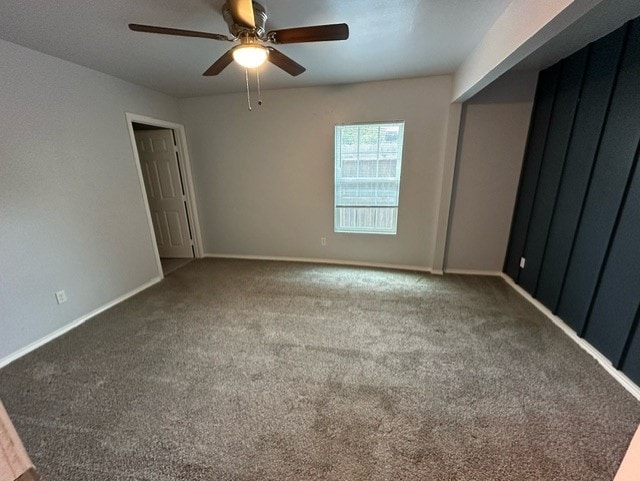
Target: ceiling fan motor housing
x=247 y=21
x=238 y=31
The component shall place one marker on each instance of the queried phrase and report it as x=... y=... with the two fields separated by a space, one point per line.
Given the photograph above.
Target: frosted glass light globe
x=250 y=56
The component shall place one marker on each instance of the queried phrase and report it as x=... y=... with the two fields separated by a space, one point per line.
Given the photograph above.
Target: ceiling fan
x=246 y=20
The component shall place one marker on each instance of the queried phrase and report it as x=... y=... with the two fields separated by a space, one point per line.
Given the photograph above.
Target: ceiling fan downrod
x=246 y=21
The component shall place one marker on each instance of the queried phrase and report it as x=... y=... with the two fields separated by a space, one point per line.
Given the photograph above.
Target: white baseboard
x=470 y=272
x=312 y=260
x=81 y=320
x=619 y=376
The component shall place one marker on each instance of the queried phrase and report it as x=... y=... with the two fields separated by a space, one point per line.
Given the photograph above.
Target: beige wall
x=71 y=206
x=264 y=179
x=73 y=216
x=493 y=135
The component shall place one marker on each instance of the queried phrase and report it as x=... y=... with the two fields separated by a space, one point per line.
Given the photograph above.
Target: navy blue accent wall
x=545 y=94
x=613 y=165
x=594 y=103
x=618 y=297
x=553 y=160
x=631 y=361
x=577 y=217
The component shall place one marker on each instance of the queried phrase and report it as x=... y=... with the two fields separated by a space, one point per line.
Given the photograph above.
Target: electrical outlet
x=61 y=297
x=523 y=261
x=323 y=241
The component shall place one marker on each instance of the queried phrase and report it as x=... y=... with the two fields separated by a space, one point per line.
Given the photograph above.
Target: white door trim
x=183 y=151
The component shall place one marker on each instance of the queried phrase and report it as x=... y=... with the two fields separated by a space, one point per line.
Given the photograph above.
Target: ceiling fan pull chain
x=259 y=94
x=246 y=76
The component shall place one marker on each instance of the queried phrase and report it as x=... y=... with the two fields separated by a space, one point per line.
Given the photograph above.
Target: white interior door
x=167 y=199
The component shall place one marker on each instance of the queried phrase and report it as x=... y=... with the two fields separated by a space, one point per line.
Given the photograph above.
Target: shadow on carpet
x=249 y=370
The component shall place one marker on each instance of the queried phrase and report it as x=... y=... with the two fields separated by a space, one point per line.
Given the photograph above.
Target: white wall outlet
x=523 y=261
x=323 y=241
x=61 y=297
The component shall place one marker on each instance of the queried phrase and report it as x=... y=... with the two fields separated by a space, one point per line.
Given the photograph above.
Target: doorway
x=165 y=178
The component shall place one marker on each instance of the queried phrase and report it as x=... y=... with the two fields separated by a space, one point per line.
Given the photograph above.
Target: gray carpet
x=171 y=264
x=246 y=370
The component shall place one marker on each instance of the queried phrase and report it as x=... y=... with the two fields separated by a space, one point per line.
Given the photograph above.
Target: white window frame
x=339 y=226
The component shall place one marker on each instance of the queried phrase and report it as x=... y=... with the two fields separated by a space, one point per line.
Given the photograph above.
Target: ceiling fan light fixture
x=250 y=55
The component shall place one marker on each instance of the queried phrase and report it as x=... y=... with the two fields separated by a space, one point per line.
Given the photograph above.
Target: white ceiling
x=604 y=18
x=389 y=39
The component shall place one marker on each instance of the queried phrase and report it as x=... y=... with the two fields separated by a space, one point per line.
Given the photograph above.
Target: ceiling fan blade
x=178 y=32
x=279 y=59
x=317 y=33
x=220 y=64
x=242 y=12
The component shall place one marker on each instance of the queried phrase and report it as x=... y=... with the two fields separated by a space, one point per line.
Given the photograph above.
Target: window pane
x=368 y=161
x=366 y=220
x=387 y=167
x=368 y=168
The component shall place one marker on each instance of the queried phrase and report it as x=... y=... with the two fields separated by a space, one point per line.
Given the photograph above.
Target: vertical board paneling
x=537 y=138
x=558 y=135
x=590 y=117
x=631 y=364
x=577 y=222
x=610 y=175
x=618 y=298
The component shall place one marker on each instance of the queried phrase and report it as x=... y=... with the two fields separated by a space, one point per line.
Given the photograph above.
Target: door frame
x=183 y=152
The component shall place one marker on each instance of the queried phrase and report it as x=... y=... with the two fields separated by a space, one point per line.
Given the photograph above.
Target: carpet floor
x=249 y=370
x=171 y=264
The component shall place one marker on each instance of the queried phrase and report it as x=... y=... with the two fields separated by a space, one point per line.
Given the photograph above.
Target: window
x=368 y=159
